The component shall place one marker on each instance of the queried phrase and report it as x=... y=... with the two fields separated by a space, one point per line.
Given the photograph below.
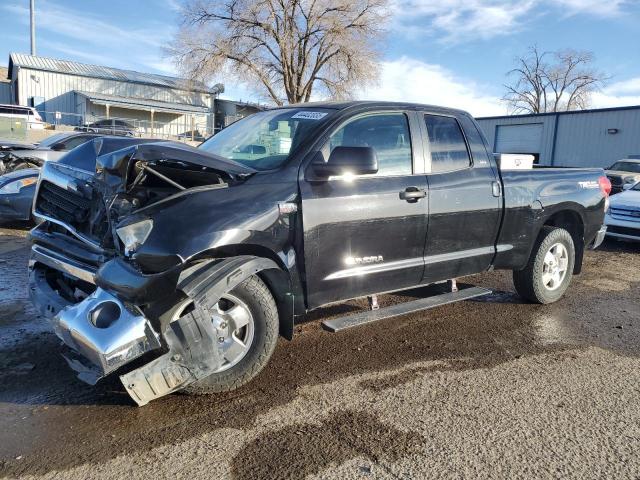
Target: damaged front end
x=102 y=297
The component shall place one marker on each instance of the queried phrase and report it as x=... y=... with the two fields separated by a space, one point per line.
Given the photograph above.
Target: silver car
x=623 y=215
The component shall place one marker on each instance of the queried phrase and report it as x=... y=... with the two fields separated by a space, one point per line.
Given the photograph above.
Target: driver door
x=360 y=236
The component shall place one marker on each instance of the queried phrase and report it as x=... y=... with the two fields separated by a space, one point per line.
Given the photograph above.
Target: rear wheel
x=246 y=322
x=550 y=269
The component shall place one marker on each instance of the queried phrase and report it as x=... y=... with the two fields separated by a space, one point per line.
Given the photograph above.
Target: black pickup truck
x=193 y=261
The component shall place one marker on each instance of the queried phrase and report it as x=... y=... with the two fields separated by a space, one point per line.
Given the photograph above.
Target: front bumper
x=624 y=229
x=105 y=331
x=109 y=330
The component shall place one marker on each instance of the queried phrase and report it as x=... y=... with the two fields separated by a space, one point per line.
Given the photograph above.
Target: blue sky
x=448 y=52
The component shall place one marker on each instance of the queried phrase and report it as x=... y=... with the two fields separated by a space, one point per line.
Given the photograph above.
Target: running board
x=348 y=321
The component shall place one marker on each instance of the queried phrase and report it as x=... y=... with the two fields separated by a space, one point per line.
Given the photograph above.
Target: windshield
x=265 y=140
x=636 y=187
x=53 y=139
x=626 y=167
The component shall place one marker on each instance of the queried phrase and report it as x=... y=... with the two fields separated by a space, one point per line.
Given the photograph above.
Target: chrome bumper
x=105 y=331
x=599 y=237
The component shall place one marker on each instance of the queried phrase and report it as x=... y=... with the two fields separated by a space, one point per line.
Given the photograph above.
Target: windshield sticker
x=310 y=115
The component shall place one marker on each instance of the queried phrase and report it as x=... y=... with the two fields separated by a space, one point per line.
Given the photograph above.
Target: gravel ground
x=491 y=388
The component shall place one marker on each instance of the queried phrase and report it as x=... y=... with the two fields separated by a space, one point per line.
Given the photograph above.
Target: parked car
x=194 y=135
x=623 y=172
x=28 y=115
x=17 y=190
x=33 y=156
x=111 y=126
x=19 y=169
x=623 y=215
x=197 y=258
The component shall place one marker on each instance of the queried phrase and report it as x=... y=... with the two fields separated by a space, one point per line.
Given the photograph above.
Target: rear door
x=464 y=198
x=360 y=236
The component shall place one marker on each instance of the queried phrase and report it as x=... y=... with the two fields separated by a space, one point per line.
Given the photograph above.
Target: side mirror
x=346 y=161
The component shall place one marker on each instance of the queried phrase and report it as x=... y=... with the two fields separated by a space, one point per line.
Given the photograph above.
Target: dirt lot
x=488 y=388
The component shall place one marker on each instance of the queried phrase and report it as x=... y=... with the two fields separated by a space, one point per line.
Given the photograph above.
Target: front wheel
x=550 y=269
x=246 y=319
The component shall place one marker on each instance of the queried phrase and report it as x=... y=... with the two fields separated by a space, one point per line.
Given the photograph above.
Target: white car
x=623 y=216
x=28 y=115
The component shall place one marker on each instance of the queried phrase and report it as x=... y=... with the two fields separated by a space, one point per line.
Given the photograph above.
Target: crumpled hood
x=168 y=151
x=16 y=145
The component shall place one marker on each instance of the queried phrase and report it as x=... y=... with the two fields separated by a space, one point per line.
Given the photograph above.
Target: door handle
x=412 y=194
x=496 y=189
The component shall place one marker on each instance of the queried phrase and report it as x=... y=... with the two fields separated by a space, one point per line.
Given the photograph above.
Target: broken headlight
x=134 y=234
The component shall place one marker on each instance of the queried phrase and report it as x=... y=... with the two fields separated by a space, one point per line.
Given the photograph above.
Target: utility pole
x=32 y=10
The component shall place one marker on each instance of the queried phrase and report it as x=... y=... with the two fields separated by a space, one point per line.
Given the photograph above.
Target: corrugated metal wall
x=57 y=90
x=581 y=138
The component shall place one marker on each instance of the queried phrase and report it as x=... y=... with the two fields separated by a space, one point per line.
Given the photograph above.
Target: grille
x=625 y=213
x=634 y=232
x=62 y=204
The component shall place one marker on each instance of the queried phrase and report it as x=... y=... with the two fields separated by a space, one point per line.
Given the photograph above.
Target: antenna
x=32 y=11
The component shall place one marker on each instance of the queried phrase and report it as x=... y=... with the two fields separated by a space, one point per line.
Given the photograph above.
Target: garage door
x=519 y=138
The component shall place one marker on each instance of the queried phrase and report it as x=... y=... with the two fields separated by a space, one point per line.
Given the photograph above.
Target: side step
x=348 y=321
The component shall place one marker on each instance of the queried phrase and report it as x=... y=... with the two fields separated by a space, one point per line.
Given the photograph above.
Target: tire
x=253 y=294
x=540 y=281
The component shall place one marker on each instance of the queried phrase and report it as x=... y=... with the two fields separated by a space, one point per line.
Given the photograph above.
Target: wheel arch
x=231 y=264
x=571 y=220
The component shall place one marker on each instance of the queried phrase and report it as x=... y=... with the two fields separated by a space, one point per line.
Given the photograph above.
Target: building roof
x=97 y=71
x=4 y=75
x=568 y=112
x=142 y=103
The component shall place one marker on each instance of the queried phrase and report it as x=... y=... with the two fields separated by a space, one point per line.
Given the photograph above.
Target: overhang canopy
x=142 y=104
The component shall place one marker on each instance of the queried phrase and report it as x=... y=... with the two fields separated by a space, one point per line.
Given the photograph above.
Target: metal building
x=74 y=93
x=586 y=138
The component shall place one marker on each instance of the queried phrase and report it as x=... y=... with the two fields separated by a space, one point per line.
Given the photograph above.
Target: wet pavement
x=493 y=387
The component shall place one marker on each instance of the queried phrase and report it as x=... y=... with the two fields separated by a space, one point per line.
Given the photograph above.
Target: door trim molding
x=376 y=268
x=416 y=262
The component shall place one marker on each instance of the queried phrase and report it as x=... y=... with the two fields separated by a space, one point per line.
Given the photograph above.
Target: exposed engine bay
x=10 y=162
x=124 y=183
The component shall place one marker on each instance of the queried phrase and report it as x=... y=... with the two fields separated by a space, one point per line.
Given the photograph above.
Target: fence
x=181 y=128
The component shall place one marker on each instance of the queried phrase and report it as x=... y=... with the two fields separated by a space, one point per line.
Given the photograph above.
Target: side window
x=74 y=142
x=446 y=144
x=387 y=134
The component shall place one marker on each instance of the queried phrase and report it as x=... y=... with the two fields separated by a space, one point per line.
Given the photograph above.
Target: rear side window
x=75 y=141
x=387 y=134
x=446 y=144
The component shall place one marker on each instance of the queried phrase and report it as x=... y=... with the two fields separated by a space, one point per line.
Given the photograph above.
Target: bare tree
x=287 y=48
x=552 y=81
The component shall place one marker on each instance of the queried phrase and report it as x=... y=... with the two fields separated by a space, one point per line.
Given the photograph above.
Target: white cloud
x=618 y=94
x=411 y=80
x=598 y=8
x=458 y=21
